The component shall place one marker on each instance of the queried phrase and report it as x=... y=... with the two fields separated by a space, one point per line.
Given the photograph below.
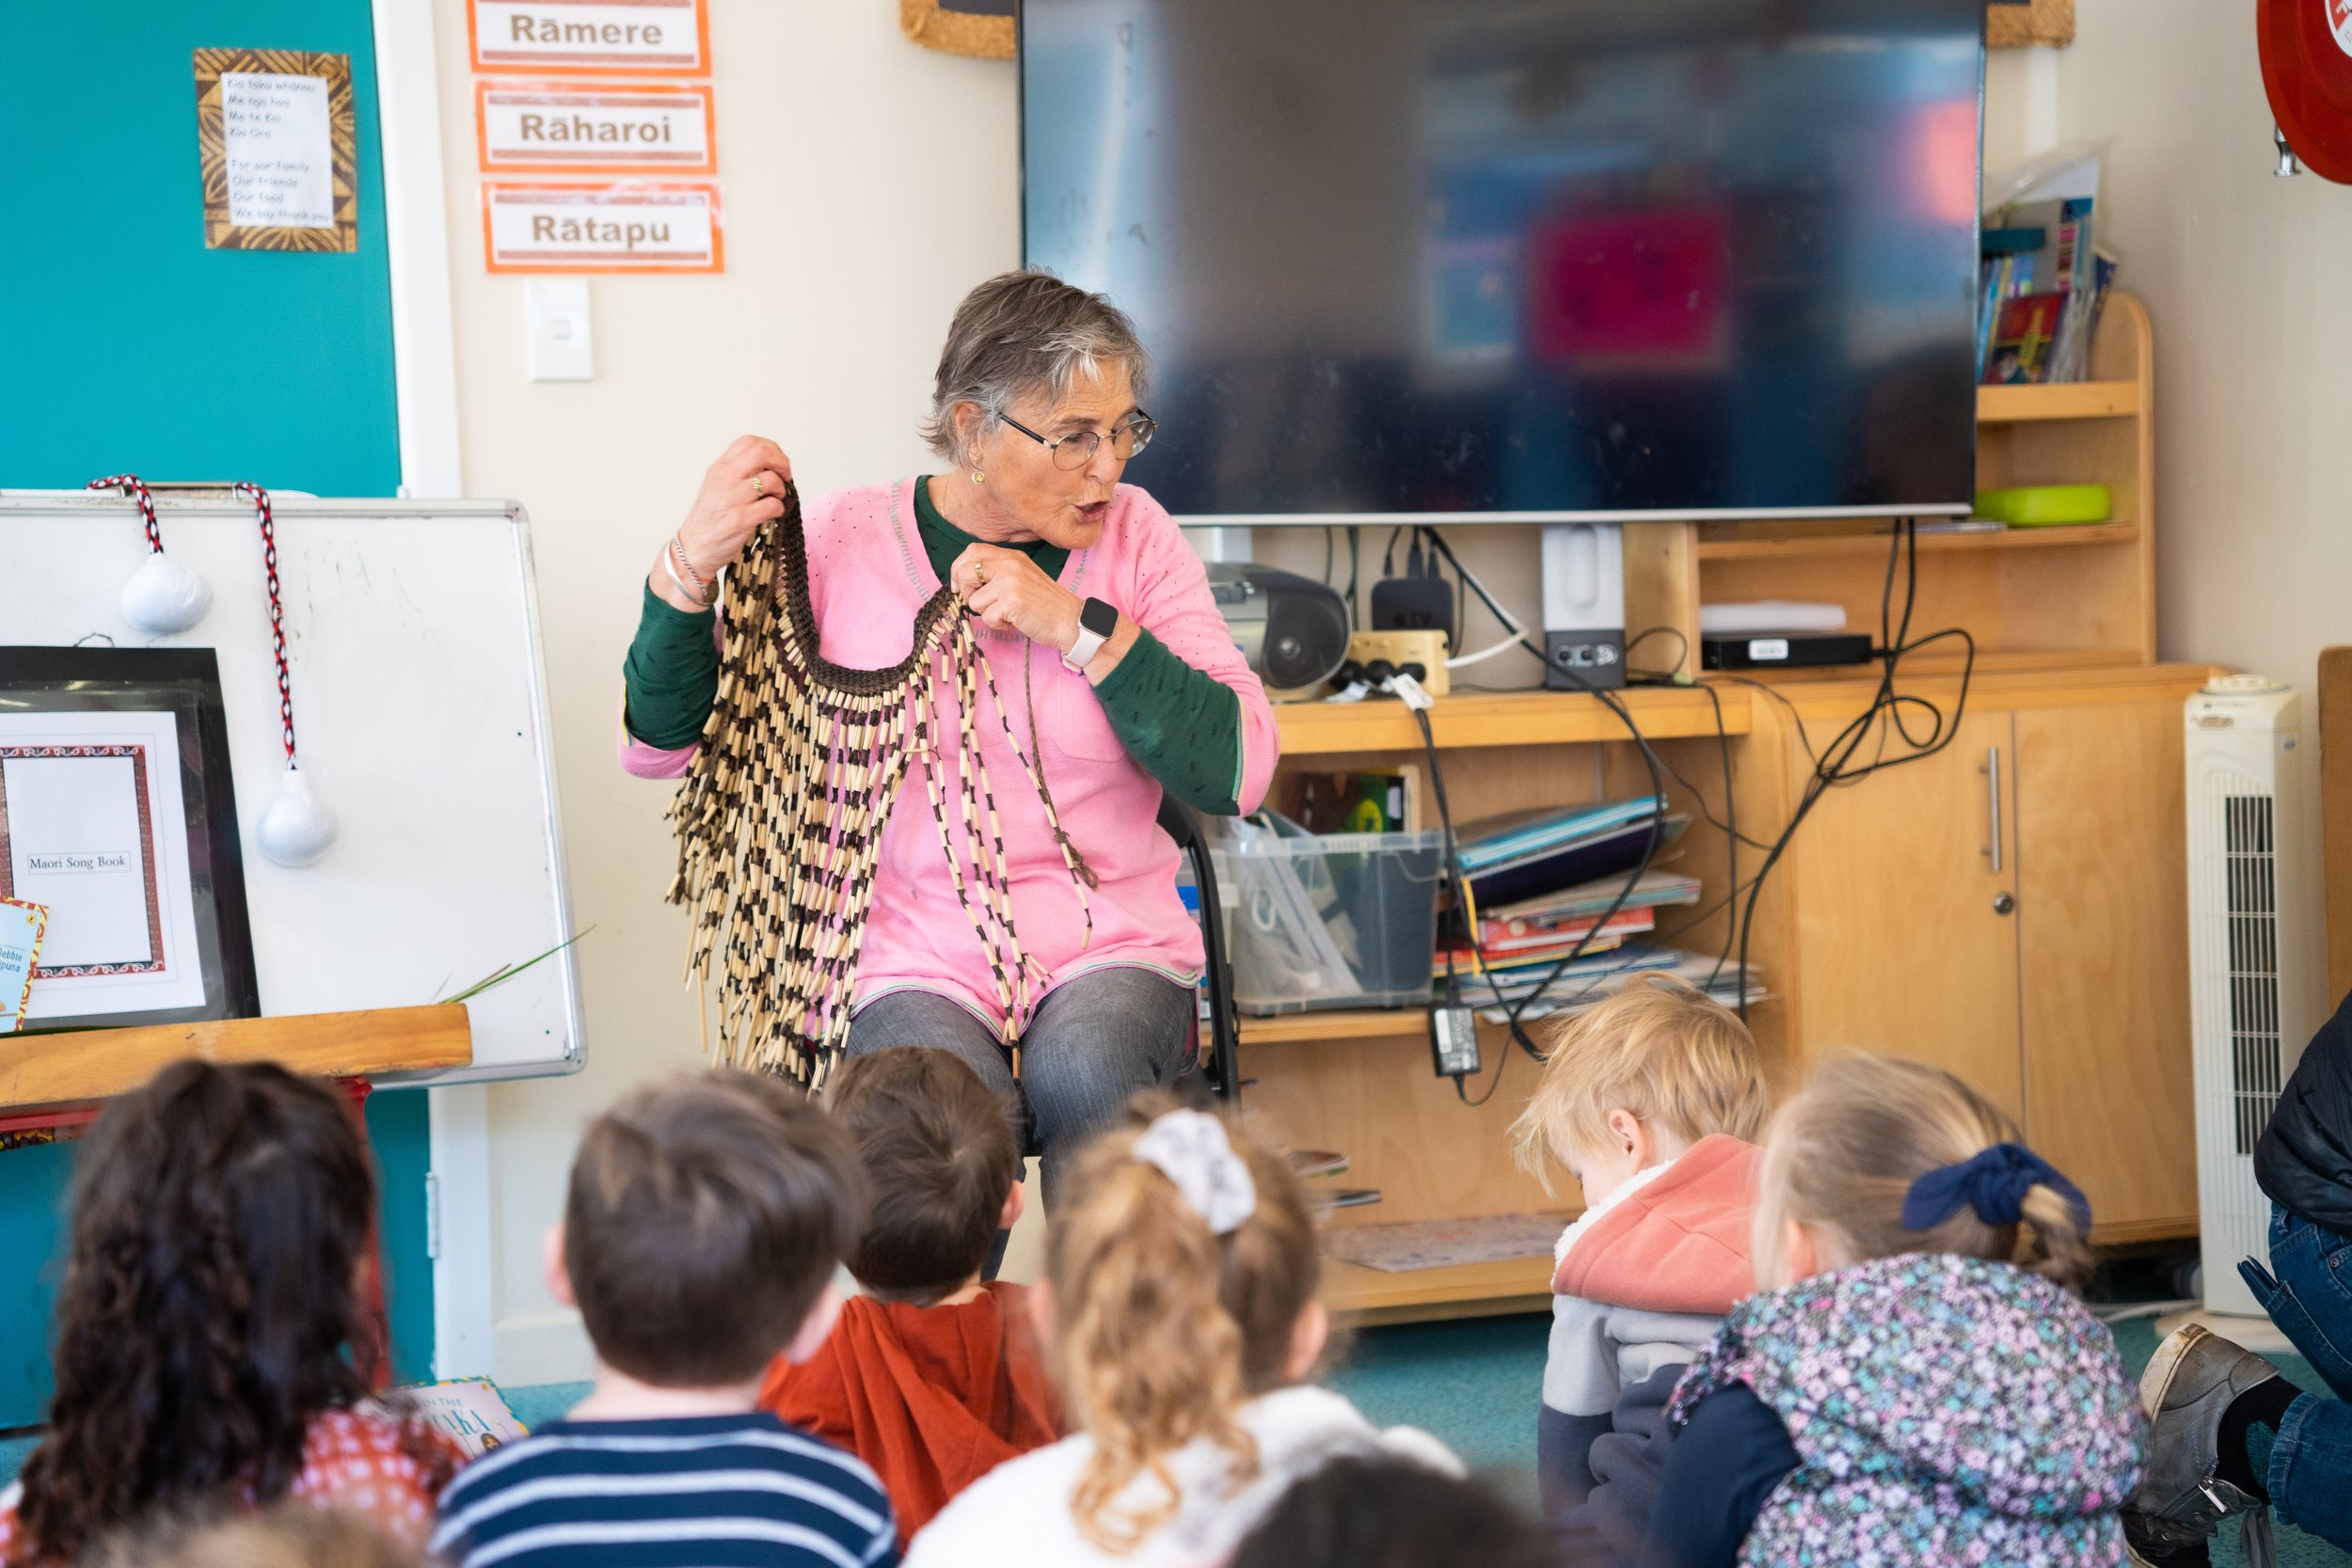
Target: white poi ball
x=163 y=596
x=296 y=829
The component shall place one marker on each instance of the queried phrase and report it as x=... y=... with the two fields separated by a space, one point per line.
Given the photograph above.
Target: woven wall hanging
x=779 y=823
x=983 y=28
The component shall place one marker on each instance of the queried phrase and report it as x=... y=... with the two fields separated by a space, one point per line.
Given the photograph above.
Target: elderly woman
x=1121 y=679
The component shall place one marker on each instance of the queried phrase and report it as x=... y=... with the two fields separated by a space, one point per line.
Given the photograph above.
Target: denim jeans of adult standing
x=1096 y=1038
x=2307 y=1292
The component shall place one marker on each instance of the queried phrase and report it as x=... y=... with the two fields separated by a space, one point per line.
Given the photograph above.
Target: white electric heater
x=2252 y=978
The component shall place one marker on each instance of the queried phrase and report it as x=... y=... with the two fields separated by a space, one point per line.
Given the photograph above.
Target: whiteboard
x=412 y=630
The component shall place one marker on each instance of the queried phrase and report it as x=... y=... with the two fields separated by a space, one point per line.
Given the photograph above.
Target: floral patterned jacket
x=1946 y=1410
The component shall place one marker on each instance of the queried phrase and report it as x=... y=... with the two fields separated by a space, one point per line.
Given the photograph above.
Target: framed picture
x=118 y=818
x=277 y=149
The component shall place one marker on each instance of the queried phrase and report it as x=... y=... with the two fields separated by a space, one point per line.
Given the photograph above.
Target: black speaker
x=1292 y=630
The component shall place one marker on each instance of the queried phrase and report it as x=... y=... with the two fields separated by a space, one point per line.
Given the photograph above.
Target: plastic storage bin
x=1342 y=920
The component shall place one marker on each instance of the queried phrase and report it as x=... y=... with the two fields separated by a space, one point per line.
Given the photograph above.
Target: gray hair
x=1024 y=332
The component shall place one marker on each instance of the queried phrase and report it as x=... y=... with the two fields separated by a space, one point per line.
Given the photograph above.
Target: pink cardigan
x=868 y=576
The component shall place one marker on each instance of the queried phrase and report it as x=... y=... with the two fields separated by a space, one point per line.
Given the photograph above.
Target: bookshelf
x=2053 y=594
x=1888 y=878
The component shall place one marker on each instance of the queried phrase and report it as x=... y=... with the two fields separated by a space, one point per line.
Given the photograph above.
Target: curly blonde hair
x=1164 y=1328
x=1657 y=1048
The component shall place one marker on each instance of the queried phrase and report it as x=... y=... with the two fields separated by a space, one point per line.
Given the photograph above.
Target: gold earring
x=978 y=478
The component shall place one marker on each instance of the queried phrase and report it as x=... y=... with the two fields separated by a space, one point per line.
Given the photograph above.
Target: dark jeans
x=1096 y=1039
x=2308 y=1293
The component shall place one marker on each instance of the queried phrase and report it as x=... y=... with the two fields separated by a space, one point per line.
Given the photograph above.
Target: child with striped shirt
x=705 y=1220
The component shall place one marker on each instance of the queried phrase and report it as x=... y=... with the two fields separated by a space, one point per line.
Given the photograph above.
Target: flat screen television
x=1524 y=260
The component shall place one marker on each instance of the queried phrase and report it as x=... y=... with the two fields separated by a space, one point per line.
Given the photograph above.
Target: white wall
x=868 y=184
x=2243 y=275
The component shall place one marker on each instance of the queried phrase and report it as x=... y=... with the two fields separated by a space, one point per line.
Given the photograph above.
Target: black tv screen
x=1524 y=258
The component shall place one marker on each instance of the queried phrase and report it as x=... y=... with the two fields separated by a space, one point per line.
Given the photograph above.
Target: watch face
x=1097 y=617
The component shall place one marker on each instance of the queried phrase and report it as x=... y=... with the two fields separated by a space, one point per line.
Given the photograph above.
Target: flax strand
x=780 y=822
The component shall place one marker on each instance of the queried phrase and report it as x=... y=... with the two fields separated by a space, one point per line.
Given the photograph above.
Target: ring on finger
x=759 y=486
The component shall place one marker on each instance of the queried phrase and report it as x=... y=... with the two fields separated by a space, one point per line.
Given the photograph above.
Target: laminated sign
x=603 y=38
x=552 y=127
x=602 y=228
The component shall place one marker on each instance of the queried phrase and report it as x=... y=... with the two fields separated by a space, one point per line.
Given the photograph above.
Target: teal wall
x=125 y=344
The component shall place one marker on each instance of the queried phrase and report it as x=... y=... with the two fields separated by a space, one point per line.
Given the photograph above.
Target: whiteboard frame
x=112 y=507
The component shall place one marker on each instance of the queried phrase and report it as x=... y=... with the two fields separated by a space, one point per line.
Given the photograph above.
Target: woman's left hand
x=1005 y=589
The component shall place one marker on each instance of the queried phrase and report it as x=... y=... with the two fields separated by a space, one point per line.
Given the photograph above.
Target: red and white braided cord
x=259 y=497
x=145 y=503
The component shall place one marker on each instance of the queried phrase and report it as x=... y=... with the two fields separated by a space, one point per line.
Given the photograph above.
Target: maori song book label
x=602 y=228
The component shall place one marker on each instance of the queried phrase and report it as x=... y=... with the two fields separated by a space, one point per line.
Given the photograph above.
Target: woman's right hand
x=743 y=489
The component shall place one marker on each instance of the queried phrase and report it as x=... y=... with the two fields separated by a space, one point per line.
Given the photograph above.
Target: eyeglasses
x=1077 y=450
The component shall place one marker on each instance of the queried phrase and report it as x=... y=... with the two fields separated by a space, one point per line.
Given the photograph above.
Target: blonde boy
x=1651 y=1100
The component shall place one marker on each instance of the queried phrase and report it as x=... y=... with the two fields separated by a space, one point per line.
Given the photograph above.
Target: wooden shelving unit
x=1883 y=881
x=1502 y=718
x=1876 y=544
x=2078 y=400
x=38 y=1071
x=1368 y=1297
x=2084 y=593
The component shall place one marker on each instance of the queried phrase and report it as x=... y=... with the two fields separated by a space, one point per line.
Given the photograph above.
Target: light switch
x=555 y=313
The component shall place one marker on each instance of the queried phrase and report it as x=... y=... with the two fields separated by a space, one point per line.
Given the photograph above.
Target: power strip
x=1400 y=648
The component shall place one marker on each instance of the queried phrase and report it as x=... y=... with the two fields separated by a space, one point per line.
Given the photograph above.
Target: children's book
x=21 y=928
x=1499 y=840
x=1614 y=852
x=2022 y=343
x=1552 y=910
x=468 y=1409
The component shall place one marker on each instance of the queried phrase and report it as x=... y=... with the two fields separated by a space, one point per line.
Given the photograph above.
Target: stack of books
x=2041 y=288
x=1527 y=855
x=1543 y=929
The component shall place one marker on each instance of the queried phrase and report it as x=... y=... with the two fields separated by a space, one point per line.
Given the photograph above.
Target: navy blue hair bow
x=1994 y=1183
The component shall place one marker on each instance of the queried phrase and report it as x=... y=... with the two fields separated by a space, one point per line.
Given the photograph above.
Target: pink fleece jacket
x=868 y=576
x=1680 y=1244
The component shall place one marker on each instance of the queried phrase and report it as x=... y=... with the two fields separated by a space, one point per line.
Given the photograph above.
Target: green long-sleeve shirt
x=1182 y=724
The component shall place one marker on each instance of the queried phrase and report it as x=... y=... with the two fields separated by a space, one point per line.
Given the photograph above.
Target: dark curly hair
x=212 y=1304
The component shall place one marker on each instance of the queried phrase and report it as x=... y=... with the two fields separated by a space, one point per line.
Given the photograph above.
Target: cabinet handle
x=1992 y=799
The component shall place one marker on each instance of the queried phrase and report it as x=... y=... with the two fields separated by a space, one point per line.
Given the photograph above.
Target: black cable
x=1355 y=541
x=1833 y=767
x=1731 y=846
x=1796 y=719
x=1451 y=849
x=1682 y=654
x=1515 y=1012
x=1328 y=543
x=1462 y=574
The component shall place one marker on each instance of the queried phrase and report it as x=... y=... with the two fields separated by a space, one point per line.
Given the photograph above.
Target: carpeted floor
x=1475 y=1385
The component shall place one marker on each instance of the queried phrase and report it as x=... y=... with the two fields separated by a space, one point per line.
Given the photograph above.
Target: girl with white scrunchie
x=1179 y=1308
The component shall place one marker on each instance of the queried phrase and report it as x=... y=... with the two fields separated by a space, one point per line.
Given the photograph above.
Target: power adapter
x=1454 y=1039
x=1413 y=604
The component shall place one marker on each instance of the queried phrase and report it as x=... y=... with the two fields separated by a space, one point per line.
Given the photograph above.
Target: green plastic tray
x=2047 y=505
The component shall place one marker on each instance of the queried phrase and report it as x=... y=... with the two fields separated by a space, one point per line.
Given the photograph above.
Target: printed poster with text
x=93 y=829
x=277 y=149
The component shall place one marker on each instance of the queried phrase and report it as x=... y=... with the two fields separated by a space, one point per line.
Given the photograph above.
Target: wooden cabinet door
x=1904 y=949
x=2103 y=911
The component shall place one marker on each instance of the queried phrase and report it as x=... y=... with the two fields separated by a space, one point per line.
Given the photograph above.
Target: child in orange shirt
x=932 y=1377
